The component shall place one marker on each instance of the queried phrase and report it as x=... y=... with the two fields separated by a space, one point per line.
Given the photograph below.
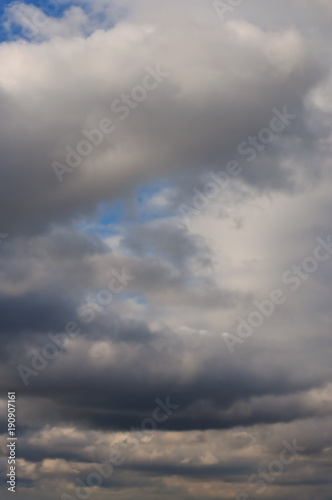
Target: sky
x=166 y=249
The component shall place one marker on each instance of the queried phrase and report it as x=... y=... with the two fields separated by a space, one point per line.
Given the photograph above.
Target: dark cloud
x=160 y=334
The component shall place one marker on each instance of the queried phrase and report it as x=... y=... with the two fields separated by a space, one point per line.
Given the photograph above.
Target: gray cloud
x=162 y=336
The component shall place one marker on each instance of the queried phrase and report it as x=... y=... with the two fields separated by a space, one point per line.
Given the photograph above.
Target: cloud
x=44 y=113
x=217 y=86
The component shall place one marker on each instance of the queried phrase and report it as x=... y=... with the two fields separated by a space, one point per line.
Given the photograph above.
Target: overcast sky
x=166 y=248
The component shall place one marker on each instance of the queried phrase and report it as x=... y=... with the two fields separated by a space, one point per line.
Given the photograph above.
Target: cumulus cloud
x=112 y=301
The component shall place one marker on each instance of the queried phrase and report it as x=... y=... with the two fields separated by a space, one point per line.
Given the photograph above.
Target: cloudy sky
x=166 y=248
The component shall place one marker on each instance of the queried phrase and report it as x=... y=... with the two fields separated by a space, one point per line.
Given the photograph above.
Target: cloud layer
x=130 y=252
